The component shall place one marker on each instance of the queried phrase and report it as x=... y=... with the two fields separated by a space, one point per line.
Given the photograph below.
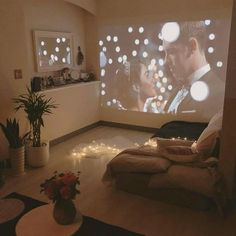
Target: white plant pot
x=17 y=158
x=38 y=156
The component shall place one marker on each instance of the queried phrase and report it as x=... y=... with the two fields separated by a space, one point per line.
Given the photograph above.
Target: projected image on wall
x=170 y=67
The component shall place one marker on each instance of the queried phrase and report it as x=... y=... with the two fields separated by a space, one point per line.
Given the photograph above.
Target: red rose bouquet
x=61 y=186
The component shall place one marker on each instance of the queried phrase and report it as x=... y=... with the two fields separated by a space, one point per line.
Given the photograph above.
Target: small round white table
x=39 y=221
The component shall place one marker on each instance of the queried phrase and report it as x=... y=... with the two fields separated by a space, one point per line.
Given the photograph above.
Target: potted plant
x=36 y=105
x=16 y=145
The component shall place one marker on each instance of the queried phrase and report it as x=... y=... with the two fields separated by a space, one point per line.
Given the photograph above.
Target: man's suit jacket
x=208 y=107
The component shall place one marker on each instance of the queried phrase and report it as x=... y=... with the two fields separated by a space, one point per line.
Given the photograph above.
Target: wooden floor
x=132 y=212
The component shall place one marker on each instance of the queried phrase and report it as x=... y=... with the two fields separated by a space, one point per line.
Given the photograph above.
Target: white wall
x=13 y=56
x=18 y=19
x=53 y=15
x=89 y=5
x=78 y=106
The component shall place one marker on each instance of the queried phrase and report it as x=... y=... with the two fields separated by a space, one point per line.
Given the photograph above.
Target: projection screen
x=164 y=67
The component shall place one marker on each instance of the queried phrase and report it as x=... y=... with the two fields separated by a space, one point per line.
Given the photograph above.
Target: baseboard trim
x=101 y=123
x=127 y=126
x=73 y=134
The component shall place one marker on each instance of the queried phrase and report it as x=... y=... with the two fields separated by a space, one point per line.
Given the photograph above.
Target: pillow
x=206 y=145
x=144 y=164
x=207 y=140
x=164 y=142
x=180 y=154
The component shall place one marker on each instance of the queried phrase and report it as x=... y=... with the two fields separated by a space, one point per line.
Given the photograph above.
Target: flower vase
x=64 y=211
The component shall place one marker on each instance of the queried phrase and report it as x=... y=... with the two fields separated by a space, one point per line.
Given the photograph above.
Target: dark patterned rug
x=89 y=227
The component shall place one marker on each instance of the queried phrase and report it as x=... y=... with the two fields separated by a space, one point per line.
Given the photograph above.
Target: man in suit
x=199 y=89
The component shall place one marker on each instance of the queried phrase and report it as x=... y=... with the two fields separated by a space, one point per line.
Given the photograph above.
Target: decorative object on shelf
x=80 y=57
x=36 y=84
x=36 y=106
x=91 y=76
x=75 y=75
x=62 y=189
x=16 y=145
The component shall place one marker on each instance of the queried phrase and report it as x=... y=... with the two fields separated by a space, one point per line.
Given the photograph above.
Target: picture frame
x=53 y=50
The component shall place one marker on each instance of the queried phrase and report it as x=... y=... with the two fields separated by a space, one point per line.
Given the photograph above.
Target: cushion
x=139 y=163
x=182 y=129
x=194 y=179
x=207 y=140
x=164 y=142
x=180 y=154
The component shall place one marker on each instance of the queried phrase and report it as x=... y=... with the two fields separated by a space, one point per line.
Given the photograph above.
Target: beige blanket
x=152 y=160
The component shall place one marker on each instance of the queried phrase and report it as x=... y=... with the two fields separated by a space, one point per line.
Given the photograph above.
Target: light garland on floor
x=95 y=150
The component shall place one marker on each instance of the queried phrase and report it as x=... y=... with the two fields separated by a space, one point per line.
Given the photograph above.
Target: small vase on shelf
x=64 y=211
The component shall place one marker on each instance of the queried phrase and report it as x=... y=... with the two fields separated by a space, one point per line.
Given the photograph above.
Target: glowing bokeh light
x=164 y=80
x=212 y=36
x=145 y=54
x=207 y=22
x=100 y=43
x=130 y=29
x=170 y=31
x=210 y=49
x=120 y=59
x=134 y=53
x=136 y=41
x=117 y=49
x=141 y=30
x=160 y=73
x=219 y=64
x=108 y=38
x=125 y=58
x=42 y=43
x=115 y=39
x=103 y=72
x=146 y=41
x=160 y=48
x=162 y=89
x=199 y=91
